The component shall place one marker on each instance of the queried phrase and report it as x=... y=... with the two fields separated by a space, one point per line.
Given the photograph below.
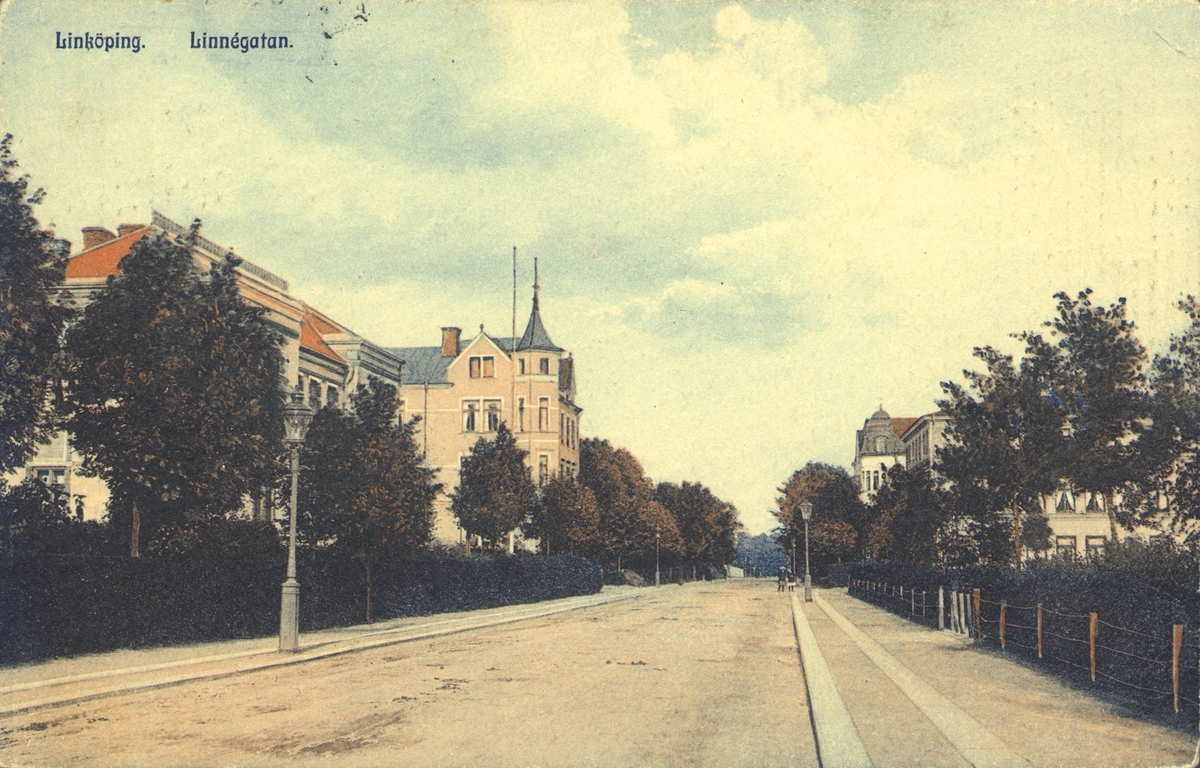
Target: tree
x=840 y=521
x=759 y=554
x=1097 y=372
x=174 y=394
x=1169 y=455
x=495 y=493
x=912 y=524
x=1006 y=450
x=629 y=515
x=708 y=525
x=566 y=518
x=364 y=490
x=31 y=322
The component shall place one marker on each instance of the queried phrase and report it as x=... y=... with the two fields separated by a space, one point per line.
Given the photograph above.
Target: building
x=322 y=357
x=878 y=446
x=1079 y=522
x=464 y=389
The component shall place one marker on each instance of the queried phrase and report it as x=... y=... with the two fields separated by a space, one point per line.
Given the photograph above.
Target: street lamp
x=657 y=536
x=806 y=510
x=296 y=417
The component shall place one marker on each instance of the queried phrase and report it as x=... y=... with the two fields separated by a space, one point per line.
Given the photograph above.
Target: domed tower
x=877 y=446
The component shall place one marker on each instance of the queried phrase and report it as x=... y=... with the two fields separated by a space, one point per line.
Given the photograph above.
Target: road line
x=314 y=653
x=838 y=742
x=978 y=745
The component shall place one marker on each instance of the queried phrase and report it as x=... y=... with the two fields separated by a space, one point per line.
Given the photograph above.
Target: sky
x=755 y=223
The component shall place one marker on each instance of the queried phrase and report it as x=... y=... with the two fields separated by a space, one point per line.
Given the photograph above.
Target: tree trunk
x=1017 y=532
x=135 y=532
x=618 y=562
x=1112 y=516
x=370 y=621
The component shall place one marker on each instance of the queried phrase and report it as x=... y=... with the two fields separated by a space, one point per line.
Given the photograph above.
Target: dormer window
x=880 y=444
x=484 y=367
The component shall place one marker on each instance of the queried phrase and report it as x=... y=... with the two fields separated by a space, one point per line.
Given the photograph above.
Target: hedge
x=1133 y=641
x=53 y=606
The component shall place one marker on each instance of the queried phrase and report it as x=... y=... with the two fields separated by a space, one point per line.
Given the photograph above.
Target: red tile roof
x=100 y=261
x=310 y=339
x=900 y=424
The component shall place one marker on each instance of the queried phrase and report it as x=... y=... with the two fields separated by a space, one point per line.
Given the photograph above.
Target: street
x=704 y=674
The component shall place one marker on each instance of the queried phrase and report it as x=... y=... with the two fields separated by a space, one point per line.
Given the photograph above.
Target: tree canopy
x=31 y=320
x=707 y=525
x=364 y=489
x=173 y=390
x=495 y=493
x=566 y=519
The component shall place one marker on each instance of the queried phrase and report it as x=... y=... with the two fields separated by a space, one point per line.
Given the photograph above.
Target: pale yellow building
x=463 y=389
x=322 y=357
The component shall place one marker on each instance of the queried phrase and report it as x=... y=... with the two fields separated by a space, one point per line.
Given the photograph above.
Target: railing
x=165 y=224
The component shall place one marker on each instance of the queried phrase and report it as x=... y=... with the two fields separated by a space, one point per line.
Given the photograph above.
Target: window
x=1094 y=545
x=562 y=427
x=492 y=409
x=543 y=413
x=51 y=475
x=875 y=487
x=521 y=408
x=482 y=367
x=314 y=394
x=543 y=469
x=1065 y=546
x=470 y=415
x=544 y=365
x=521 y=365
x=880 y=444
x=331 y=396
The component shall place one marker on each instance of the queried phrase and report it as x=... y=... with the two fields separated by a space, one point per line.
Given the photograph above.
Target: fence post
x=1092 y=643
x=1176 y=644
x=941 y=602
x=923 y=601
x=1039 y=630
x=978 y=620
x=1003 y=621
x=912 y=602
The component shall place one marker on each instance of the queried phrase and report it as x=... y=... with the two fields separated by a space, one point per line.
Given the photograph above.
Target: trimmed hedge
x=53 y=606
x=1134 y=628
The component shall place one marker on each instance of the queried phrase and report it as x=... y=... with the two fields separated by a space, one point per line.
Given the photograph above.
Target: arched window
x=880 y=444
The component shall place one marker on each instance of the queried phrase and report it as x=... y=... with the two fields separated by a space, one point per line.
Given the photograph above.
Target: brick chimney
x=450 y=337
x=127 y=229
x=93 y=236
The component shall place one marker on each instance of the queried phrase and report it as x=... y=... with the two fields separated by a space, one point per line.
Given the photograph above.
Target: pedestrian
x=782 y=578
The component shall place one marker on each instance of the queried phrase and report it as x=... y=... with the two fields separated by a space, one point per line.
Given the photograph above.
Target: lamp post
x=657 y=536
x=296 y=417
x=806 y=512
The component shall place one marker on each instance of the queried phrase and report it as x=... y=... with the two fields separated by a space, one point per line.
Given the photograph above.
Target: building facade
x=464 y=389
x=877 y=447
x=322 y=357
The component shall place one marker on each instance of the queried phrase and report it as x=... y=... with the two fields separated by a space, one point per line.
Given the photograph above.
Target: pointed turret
x=535 y=336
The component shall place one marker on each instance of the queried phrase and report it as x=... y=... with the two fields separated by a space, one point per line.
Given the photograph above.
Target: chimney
x=93 y=236
x=128 y=229
x=450 y=338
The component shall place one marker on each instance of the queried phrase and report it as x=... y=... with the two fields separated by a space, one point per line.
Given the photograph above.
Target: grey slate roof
x=425 y=365
x=535 y=336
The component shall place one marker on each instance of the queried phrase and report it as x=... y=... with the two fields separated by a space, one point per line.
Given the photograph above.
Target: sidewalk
x=1033 y=715
x=62 y=681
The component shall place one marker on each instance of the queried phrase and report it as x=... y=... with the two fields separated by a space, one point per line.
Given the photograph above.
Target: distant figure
x=782 y=579
x=791 y=582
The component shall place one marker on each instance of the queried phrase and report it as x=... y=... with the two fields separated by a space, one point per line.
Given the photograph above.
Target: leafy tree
x=34 y=520
x=31 y=321
x=1169 y=449
x=1006 y=450
x=840 y=521
x=1096 y=371
x=173 y=391
x=911 y=521
x=495 y=493
x=629 y=515
x=566 y=518
x=708 y=525
x=364 y=490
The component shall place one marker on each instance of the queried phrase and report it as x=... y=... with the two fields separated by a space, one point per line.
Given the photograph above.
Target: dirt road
x=695 y=675
x=700 y=675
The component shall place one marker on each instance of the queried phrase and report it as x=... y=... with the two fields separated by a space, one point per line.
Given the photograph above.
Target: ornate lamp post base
x=289 y=617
